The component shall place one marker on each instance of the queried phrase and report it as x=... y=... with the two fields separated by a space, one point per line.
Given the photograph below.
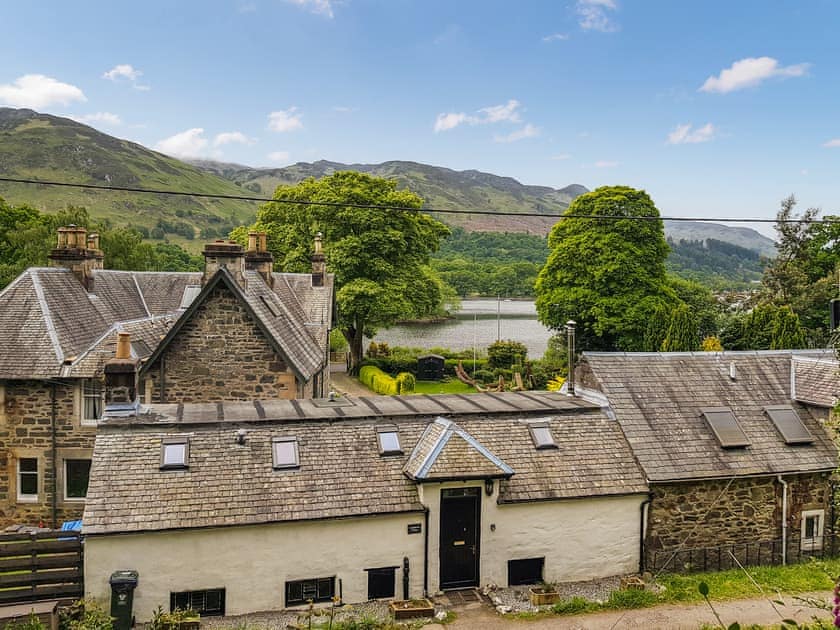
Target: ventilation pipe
x=733 y=371
x=570 y=342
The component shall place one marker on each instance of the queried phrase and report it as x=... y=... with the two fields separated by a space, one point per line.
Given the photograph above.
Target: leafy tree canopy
x=379 y=257
x=608 y=274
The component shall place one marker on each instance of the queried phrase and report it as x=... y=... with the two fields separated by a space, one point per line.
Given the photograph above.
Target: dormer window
x=284 y=452
x=175 y=454
x=541 y=435
x=389 y=441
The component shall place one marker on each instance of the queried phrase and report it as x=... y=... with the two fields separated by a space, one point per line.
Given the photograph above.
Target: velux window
x=93 y=401
x=284 y=451
x=541 y=435
x=27 y=478
x=389 y=441
x=76 y=477
x=175 y=454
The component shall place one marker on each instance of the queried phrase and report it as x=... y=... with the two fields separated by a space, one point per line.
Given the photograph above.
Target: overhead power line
x=368 y=206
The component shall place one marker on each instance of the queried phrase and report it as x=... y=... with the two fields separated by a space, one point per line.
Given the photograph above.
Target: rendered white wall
x=253 y=563
x=580 y=538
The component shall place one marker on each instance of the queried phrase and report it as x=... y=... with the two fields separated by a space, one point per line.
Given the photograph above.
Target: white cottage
x=232 y=508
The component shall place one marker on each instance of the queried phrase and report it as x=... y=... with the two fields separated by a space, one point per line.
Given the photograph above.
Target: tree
x=787 y=331
x=657 y=328
x=379 y=257
x=682 y=331
x=606 y=274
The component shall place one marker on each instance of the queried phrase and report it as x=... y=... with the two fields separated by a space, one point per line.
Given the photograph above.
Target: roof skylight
x=389 y=441
x=725 y=427
x=191 y=292
x=174 y=453
x=284 y=452
x=541 y=434
x=789 y=424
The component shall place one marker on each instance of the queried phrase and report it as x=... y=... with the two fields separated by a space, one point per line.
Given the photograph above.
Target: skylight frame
x=387 y=449
x=539 y=432
x=802 y=438
x=191 y=291
x=724 y=433
x=184 y=464
x=285 y=464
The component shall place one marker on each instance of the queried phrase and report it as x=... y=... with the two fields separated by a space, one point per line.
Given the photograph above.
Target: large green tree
x=379 y=257
x=608 y=274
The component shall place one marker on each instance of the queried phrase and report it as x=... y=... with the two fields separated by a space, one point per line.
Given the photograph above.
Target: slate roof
x=816 y=380
x=658 y=398
x=50 y=326
x=341 y=472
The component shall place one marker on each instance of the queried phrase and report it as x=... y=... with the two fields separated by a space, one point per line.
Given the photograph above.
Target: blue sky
x=715 y=108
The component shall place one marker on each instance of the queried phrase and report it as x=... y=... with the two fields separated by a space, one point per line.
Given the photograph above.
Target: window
x=76 y=476
x=812 y=530
x=93 y=401
x=389 y=441
x=209 y=603
x=315 y=589
x=27 y=479
x=789 y=424
x=725 y=427
x=541 y=434
x=191 y=292
x=381 y=582
x=175 y=453
x=285 y=452
x=525 y=571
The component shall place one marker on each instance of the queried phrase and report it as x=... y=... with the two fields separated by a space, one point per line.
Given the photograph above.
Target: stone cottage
x=738 y=466
x=244 y=506
x=236 y=331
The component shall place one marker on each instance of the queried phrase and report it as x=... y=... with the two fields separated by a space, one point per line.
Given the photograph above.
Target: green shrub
x=85 y=614
x=338 y=343
x=630 y=598
x=378 y=381
x=449 y=365
x=503 y=354
x=32 y=623
x=573 y=606
x=485 y=376
x=405 y=383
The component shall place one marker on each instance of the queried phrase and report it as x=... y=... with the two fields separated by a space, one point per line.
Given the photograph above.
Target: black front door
x=459 y=518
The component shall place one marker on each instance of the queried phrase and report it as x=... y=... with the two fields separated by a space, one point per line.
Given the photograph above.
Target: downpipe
x=643 y=513
x=784 y=518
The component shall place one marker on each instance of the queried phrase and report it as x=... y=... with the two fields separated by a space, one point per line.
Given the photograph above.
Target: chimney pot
x=123 y=346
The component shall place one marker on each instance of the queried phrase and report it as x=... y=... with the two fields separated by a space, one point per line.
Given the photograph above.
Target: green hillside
x=41 y=146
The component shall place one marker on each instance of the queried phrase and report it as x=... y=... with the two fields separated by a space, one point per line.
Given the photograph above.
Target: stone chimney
x=224 y=255
x=258 y=258
x=121 y=378
x=77 y=252
x=319 y=263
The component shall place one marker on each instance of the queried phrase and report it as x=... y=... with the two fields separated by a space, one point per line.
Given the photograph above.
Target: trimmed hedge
x=383 y=384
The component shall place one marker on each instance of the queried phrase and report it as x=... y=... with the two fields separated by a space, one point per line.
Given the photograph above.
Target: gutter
x=784 y=518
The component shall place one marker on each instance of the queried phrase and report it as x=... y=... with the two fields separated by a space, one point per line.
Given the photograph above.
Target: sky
x=715 y=108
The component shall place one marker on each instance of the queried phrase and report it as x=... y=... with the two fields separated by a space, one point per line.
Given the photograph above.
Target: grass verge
x=452 y=386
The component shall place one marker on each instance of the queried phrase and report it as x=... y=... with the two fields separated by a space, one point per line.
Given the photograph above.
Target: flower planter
x=411 y=608
x=540 y=596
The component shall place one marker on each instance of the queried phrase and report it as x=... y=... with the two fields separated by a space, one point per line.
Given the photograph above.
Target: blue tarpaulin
x=71 y=526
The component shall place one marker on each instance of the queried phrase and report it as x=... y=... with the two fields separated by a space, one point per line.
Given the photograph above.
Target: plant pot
x=411 y=608
x=540 y=596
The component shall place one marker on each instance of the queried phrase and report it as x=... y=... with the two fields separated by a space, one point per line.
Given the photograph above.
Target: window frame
x=285 y=465
x=171 y=441
x=388 y=430
x=220 y=612
x=27 y=498
x=816 y=542
x=304 y=599
x=66 y=471
x=539 y=444
x=84 y=420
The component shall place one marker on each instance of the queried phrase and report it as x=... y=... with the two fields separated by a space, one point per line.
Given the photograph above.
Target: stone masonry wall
x=708 y=514
x=221 y=354
x=25 y=431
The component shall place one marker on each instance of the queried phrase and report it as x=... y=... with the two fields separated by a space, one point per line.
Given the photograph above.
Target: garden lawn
x=452 y=386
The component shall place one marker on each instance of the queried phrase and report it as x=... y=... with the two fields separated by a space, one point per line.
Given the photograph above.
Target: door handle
x=473 y=549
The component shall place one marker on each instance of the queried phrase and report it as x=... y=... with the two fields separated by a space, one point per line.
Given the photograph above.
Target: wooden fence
x=41 y=565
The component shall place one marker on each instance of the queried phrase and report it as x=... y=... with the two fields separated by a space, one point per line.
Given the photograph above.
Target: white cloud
x=750 y=72
x=279 y=157
x=487 y=115
x=594 y=15
x=127 y=72
x=606 y=164
x=37 y=91
x=833 y=143
x=321 y=7
x=561 y=156
x=189 y=143
x=105 y=118
x=686 y=134
x=556 y=37
x=232 y=137
x=528 y=131
x=285 y=120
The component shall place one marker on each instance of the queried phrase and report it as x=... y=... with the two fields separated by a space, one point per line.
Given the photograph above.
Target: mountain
x=40 y=146
x=441 y=187
x=741 y=236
